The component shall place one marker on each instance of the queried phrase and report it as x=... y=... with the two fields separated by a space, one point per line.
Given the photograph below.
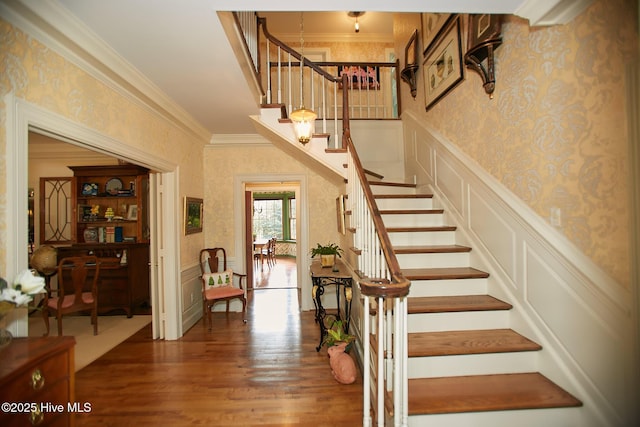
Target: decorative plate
x=113 y=186
x=89 y=189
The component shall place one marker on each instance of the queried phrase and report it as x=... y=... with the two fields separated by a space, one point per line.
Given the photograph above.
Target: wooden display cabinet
x=121 y=190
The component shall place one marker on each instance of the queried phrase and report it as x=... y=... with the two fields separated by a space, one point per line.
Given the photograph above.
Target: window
x=274 y=215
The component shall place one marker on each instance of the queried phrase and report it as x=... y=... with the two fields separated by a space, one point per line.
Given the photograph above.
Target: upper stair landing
x=315 y=155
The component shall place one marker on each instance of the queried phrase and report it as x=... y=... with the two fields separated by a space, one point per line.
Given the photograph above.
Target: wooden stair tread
x=392 y=184
x=477 y=393
x=468 y=342
x=419 y=229
x=411 y=211
x=455 y=303
x=403 y=196
x=430 y=249
x=444 y=273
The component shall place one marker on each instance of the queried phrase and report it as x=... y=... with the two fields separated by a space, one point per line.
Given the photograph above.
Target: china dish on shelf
x=113 y=186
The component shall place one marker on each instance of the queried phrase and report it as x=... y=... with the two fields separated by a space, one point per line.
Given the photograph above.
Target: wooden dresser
x=37 y=382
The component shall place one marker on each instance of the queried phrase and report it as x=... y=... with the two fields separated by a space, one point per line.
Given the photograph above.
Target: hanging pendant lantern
x=302 y=118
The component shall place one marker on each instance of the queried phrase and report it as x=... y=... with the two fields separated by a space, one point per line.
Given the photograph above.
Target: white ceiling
x=180 y=47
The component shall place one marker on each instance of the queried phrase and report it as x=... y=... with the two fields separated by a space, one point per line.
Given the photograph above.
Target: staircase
x=466 y=366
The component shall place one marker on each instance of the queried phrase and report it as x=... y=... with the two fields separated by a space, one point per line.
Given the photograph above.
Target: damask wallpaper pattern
x=555 y=133
x=37 y=74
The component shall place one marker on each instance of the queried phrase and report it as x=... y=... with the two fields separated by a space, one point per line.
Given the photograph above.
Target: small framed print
x=193 y=210
x=483 y=27
x=132 y=213
x=341 y=214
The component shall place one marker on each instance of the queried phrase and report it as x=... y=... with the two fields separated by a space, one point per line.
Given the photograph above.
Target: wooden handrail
x=399 y=285
x=283 y=46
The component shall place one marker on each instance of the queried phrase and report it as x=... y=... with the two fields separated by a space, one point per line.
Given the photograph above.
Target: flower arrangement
x=20 y=292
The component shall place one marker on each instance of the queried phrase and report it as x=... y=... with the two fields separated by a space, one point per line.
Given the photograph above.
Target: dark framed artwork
x=483 y=27
x=193 y=210
x=432 y=24
x=411 y=50
x=442 y=67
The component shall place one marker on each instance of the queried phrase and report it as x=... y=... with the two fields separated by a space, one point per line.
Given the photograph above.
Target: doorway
x=23 y=117
x=243 y=232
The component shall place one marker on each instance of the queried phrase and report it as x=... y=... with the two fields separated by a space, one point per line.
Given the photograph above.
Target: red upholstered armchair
x=219 y=283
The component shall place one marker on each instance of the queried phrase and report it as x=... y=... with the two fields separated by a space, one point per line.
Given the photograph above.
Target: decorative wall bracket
x=408 y=75
x=484 y=38
x=475 y=58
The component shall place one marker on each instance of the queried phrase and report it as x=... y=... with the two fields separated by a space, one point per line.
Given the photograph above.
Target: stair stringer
x=313 y=154
x=585 y=343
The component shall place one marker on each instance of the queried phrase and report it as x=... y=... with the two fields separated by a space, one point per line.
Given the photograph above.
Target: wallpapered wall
x=555 y=133
x=262 y=160
x=42 y=77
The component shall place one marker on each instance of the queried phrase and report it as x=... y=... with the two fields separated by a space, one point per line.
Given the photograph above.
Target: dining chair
x=219 y=282
x=77 y=291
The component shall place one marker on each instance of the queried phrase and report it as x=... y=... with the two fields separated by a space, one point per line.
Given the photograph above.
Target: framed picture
x=193 y=208
x=360 y=77
x=132 y=213
x=482 y=28
x=432 y=24
x=411 y=50
x=341 y=214
x=442 y=66
x=84 y=213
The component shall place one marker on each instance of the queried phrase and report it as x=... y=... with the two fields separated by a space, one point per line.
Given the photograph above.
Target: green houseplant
x=336 y=336
x=327 y=253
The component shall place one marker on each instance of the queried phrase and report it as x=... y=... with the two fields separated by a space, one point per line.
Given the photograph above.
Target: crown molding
x=235 y=140
x=52 y=25
x=551 y=12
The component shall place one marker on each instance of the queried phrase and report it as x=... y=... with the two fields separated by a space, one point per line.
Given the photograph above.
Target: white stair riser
x=422 y=203
x=458 y=321
x=386 y=189
x=433 y=288
x=417 y=238
x=407 y=220
x=433 y=260
x=472 y=364
x=552 y=417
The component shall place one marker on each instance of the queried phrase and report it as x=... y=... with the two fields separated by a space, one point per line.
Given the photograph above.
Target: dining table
x=258 y=246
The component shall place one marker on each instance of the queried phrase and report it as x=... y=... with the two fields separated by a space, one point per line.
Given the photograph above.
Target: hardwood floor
x=262 y=373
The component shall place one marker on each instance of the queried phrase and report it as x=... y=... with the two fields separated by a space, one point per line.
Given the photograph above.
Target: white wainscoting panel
x=580 y=315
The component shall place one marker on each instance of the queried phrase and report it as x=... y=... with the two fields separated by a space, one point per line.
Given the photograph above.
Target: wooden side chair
x=271 y=250
x=77 y=291
x=219 y=282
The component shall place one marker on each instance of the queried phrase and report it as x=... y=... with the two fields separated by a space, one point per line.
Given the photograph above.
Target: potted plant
x=338 y=343
x=328 y=253
x=337 y=336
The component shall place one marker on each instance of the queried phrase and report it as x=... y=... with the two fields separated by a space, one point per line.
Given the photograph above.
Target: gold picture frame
x=341 y=214
x=193 y=211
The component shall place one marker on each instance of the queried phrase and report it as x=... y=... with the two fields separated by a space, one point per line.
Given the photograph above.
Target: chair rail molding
x=589 y=341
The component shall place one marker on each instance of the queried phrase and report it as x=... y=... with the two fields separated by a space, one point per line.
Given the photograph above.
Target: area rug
x=112 y=330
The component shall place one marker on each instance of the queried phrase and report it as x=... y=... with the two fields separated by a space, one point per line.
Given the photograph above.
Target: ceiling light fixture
x=356 y=15
x=303 y=119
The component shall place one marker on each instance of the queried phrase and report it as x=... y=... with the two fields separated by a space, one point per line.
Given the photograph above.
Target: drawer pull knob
x=37 y=379
x=36 y=417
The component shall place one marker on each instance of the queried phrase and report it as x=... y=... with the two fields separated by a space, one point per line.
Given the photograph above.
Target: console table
x=339 y=277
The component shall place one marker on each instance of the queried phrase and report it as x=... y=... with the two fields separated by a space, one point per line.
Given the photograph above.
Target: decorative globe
x=44 y=258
